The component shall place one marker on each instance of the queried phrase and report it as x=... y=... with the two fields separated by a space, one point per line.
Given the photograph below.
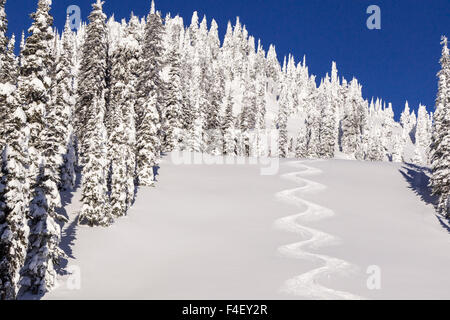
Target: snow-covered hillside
x=105 y=103
x=214 y=232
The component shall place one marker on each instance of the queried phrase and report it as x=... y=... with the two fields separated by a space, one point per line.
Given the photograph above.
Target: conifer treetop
x=3 y=27
x=152 y=8
x=444 y=42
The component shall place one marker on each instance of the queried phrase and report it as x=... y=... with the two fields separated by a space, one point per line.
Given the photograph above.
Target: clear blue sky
x=397 y=63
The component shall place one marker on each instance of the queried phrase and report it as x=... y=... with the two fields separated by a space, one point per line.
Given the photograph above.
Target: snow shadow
x=418 y=179
x=69 y=230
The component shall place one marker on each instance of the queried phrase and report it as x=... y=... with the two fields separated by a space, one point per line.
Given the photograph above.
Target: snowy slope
x=213 y=232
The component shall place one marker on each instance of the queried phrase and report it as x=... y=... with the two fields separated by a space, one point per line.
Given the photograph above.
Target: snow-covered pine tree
x=38 y=273
x=440 y=150
x=8 y=75
x=95 y=210
x=354 y=119
x=198 y=100
x=301 y=145
x=35 y=81
x=397 y=151
x=261 y=102
x=122 y=138
x=14 y=187
x=147 y=108
x=216 y=94
x=63 y=110
x=228 y=128
x=135 y=33
x=375 y=151
x=418 y=157
x=196 y=143
x=226 y=52
x=312 y=124
x=273 y=69
x=337 y=101
x=92 y=74
x=5 y=90
x=423 y=135
x=408 y=122
x=3 y=36
x=14 y=229
x=249 y=111
x=282 y=122
x=173 y=125
x=186 y=74
x=328 y=129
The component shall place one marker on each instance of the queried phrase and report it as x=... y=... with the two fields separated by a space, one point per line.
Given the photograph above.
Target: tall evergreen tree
x=64 y=107
x=301 y=148
x=148 y=108
x=38 y=273
x=440 y=154
x=173 y=124
x=8 y=74
x=354 y=119
x=95 y=210
x=228 y=128
x=13 y=218
x=122 y=138
x=282 y=126
x=423 y=134
x=92 y=79
x=14 y=187
x=328 y=130
x=35 y=81
x=90 y=116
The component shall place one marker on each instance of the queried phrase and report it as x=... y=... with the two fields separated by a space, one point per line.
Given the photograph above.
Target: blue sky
x=397 y=63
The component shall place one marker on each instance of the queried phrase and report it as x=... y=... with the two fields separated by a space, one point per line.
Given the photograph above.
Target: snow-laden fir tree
x=14 y=229
x=214 y=89
x=423 y=134
x=63 y=110
x=282 y=123
x=397 y=151
x=173 y=125
x=228 y=127
x=407 y=123
x=375 y=150
x=197 y=142
x=14 y=186
x=35 y=81
x=122 y=137
x=95 y=210
x=418 y=157
x=260 y=103
x=301 y=145
x=354 y=119
x=92 y=74
x=440 y=153
x=5 y=90
x=213 y=133
x=312 y=124
x=38 y=274
x=3 y=30
x=328 y=128
x=249 y=112
x=8 y=74
x=149 y=98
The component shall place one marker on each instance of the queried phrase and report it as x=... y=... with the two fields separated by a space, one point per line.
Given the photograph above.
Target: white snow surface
x=227 y=232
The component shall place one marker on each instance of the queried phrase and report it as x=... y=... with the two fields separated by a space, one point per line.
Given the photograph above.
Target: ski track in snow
x=306 y=284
